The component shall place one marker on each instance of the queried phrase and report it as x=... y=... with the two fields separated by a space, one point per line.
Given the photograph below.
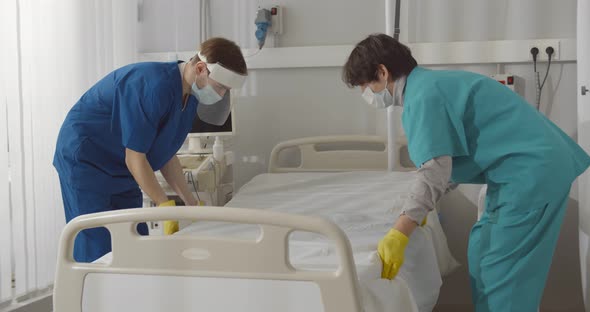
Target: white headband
x=223 y=75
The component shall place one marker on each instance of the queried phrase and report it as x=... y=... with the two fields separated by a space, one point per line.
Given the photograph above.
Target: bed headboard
x=337 y=153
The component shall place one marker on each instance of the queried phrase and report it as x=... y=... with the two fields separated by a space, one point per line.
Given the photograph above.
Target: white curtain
x=52 y=52
x=9 y=98
x=475 y=20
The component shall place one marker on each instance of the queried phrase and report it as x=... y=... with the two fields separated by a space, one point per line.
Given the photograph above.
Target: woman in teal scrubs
x=463 y=127
x=130 y=124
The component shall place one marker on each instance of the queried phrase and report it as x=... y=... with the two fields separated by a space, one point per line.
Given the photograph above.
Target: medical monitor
x=202 y=132
x=201 y=128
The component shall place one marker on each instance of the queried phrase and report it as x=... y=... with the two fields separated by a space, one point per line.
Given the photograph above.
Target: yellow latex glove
x=424 y=221
x=170 y=227
x=391 y=250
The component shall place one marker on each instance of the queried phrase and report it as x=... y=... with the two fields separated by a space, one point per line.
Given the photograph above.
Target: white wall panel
x=583 y=24
x=8 y=23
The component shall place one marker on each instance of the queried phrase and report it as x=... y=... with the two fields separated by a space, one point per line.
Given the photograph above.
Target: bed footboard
x=266 y=258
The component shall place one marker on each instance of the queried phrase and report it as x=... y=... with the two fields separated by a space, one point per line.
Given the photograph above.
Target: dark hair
x=225 y=52
x=362 y=64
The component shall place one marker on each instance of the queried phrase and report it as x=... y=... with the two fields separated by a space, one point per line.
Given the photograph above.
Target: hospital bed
x=320 y=220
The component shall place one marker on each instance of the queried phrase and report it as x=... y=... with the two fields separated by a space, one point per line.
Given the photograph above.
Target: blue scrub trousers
x=92 y=244
x=510 y=253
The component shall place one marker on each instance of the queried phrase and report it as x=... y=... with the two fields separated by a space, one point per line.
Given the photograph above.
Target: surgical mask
x=382 y=99
x=206 y=95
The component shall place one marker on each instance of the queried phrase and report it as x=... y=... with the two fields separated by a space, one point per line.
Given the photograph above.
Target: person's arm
x=405 y=225
x=431 y=183
x=172 y=172
x=143 y=174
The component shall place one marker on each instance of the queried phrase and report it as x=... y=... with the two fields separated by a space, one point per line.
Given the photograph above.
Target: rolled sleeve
x=431 y=183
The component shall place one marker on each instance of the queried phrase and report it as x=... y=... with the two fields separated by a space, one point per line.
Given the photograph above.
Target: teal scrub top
x=493 y=135
x=139 y=107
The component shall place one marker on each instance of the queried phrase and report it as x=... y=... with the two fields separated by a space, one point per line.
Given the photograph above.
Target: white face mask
x=206 y=95
x=382 y=99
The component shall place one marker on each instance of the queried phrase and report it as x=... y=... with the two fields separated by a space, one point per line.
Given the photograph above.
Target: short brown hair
x=362 y=64
x=225 y=52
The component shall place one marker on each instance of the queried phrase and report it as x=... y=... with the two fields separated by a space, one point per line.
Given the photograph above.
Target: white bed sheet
x=363 y=204
x=366 y=202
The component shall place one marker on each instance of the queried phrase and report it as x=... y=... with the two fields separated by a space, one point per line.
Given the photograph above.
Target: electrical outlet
x=542 y=45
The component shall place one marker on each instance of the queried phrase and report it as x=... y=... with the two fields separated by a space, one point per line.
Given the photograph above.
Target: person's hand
x=170 y=227
x=391 y=251
x=191 y=201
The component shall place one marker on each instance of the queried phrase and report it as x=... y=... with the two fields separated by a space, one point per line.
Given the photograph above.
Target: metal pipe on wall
x=391 y=29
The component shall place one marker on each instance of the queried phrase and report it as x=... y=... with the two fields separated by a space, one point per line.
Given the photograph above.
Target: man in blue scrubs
x=130 y=124
x=467 y=128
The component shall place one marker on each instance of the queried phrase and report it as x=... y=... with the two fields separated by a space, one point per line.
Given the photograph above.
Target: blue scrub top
x=139 y=107
x=493 y=134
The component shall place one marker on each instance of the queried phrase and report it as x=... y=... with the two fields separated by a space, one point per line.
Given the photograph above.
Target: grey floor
x=456 y=289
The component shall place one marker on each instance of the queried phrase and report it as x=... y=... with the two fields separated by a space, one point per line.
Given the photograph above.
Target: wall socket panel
x=276 y=28
x=542 y=45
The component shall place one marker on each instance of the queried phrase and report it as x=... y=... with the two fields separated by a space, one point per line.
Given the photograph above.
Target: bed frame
x=339 y=153
x=266 y=258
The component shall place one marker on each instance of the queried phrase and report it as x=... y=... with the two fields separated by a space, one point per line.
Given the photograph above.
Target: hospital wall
x=281 y=104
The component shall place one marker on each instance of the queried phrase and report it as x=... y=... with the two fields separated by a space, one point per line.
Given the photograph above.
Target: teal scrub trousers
x=510 y=252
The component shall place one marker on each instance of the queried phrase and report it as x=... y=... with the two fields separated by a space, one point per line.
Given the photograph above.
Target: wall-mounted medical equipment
x=208 y=179
x=206 y=165
x=268 y=21
x=512 y=82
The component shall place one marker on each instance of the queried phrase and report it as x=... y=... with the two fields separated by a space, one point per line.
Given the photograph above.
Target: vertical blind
x=52 y=52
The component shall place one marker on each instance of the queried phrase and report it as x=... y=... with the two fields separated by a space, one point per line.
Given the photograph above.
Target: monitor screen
x=201 y=127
